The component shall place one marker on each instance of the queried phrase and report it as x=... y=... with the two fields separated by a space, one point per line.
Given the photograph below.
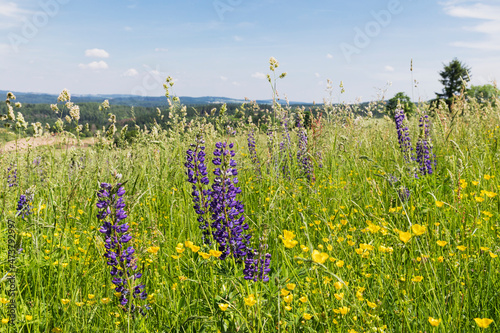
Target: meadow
x=330 y=225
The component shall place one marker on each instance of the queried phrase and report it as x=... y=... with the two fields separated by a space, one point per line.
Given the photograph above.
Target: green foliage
x=405 y=101
x=453 y=78
x=484 y=93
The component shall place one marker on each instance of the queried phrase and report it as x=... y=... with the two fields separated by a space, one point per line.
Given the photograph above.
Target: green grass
x=371 y=281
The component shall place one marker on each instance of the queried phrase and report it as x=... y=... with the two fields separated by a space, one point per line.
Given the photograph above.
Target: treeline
x=126 y=115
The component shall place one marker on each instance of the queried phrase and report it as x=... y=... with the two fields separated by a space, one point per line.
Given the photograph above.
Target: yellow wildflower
x=434 y=322
x=483 y=322
x=319 y=257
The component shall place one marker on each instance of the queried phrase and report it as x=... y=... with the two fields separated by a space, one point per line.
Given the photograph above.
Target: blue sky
x=222 y=47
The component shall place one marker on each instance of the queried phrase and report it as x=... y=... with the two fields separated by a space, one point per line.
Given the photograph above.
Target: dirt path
x=43 y=141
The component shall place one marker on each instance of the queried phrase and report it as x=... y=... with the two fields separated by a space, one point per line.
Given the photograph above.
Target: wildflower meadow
x=325 y=221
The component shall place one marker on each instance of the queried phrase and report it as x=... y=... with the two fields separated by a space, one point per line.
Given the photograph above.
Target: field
x=344 y=230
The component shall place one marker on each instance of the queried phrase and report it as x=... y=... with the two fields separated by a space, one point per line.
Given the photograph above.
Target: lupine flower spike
x=228 y=221
x=425 y=158
x=197 y=175
x=120 y=256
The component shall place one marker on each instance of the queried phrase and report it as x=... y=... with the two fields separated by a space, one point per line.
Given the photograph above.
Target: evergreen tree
x=453 y=77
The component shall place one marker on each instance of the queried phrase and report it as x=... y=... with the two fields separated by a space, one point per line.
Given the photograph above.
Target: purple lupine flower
x=198 y=176
x=403 y=135
x=120 y=256
x=404 y=194
x=12 y=175
x=25 y=204
x=425 y=158
x=253 y=152
x=303 y=157
x=228 y=222
x=257 y=267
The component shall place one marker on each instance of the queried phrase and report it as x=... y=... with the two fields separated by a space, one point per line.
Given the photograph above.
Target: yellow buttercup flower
x=306 y=316
x=338 y=285
x=339 y=296
x=483 y=322
x=250 y=300
x=434 y=322
x=290 y=286
x=439 y=203
x=284 y=292
x=461 y=247
x=28 y=317
x=65 y=301
x=319 y=257
x=215 y=253
x=288 y=299
x=288 y=239
x=223 y=306
x=490 y=194
x=371 y=304
x=493 y=255
x=417 y=278
x=344 y=310
x=204 y=255
x=418 y=229
x=404 y=236
x=441 y=243
x=290 y=243
x=105 y=300
x=179 y=248
x=153 y=249
x=5 y=320
x=303 y=299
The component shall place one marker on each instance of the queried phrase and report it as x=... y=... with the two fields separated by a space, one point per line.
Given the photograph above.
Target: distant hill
x=131 y=100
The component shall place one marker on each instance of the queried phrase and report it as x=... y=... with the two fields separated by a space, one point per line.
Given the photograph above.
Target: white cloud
x=235 y=83
x=329 y=56
x=489 y=26
x=223 y=78
x=131 y=72
x=96 y=53
x=477 y=11
x=389 y=68
x=317 y=74
x=95 y=65
x=127 y=28
x=237 y=38
x=259 y=75
x=160 y=49
x=11 y=15
x=11 y=9
x=487 y=46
